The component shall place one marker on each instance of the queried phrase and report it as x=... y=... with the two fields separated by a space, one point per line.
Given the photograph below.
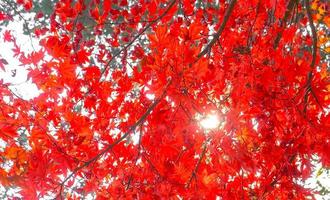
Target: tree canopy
x=124 y=85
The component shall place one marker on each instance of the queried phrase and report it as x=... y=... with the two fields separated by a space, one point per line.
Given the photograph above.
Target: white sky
x=20 y=84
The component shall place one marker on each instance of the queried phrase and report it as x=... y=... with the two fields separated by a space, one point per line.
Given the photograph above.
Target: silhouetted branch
x=312 y=65
x=283 y=23
x=110 y=146
x=249 y=38
x=220 y=30
x=201 y=157
x=314 y=34
x=137 y=157
x=138 y=35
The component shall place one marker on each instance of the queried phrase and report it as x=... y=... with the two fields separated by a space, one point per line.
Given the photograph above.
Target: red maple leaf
x=7 y=36
x=27 y=4
x=3 y=16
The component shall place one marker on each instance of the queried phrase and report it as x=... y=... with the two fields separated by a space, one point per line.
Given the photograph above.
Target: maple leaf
x=32 y=58
x=79 y=6
x=26 y=3
x=82 y=56
x=67 y=70
x=95 y=13
x=195 y=31
x=160 y=36
x=3 y=16
x=92 y=73
x=7 y=36
x=209 y=180
x=106 y=6
x=138 y=52
x=16 y=50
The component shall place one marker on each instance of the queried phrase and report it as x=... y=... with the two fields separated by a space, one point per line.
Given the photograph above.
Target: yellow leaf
x=319 y=172
x=314 y=5
x=321 y=9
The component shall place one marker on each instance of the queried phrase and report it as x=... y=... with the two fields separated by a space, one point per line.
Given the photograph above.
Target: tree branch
x=110 y=146
x=291 y=159
x=138 y=35
x=314 y=34
x=220 y=30
x=314 y=52
x=249 y=38
x=283 y=23
x=137 y=157
x=107 y=65
x=201 y=157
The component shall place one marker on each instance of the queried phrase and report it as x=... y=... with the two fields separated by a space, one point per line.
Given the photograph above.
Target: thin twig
x=138 y=36
x=201 y=157
x=249 y=38
x=137 y=157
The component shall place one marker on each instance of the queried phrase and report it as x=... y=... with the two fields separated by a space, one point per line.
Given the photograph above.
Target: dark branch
x=220 y=30
x=138 y=35
x=314 y=34
x=110 y=146
x=283 y=23
x=107 y=65
x=314 y=52
x=249 y=38
x=137 y=157
x=201 y=157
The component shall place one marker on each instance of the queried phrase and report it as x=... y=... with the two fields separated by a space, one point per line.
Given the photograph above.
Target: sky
x=19 y=83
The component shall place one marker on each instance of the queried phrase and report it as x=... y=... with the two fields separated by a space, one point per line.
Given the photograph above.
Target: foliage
x=124 y=83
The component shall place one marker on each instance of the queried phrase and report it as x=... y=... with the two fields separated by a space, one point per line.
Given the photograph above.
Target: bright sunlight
x=211 y=121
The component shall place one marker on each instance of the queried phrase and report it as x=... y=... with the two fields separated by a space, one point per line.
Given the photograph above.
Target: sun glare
x=211 y=121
